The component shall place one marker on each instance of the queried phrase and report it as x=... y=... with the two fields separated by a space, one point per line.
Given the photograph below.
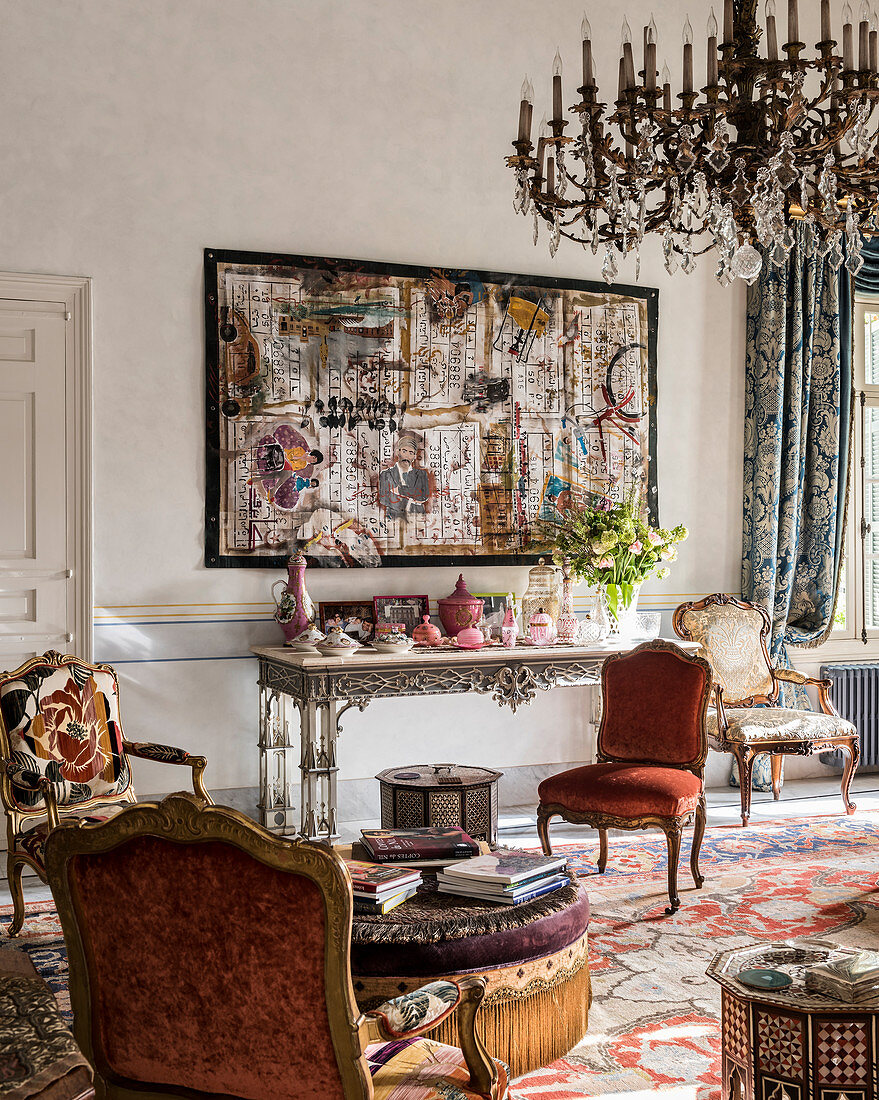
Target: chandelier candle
x=688 y=57
x=712 y=51
x=848 y=49
x=767 y=143
x=586 y=35
x=864 y=39
x=557 y=87
x=727 y=22
x=771 y=33
x=628 y=58
x=525 y=111
x=650 y=56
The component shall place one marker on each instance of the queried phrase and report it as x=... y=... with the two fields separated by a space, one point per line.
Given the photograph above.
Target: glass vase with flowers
x=613 y=546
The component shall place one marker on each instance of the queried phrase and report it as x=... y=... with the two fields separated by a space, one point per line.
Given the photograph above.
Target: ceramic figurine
x=460 y=609
x=294 y=610
x=510 y=628
x=540 y=628
x=426 y=633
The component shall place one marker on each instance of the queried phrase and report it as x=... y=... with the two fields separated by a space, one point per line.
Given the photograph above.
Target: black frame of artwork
x=214 y=457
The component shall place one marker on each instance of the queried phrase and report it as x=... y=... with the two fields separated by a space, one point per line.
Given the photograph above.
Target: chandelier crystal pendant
x=767 y=142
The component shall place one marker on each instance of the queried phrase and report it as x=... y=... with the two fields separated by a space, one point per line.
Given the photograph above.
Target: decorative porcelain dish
x=381 y=646
x=307 y=641
x=338 y=644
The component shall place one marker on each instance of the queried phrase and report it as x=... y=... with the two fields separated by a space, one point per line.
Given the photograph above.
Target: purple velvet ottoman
x=533 y=958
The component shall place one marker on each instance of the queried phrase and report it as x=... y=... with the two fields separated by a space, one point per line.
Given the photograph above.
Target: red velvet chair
x=209 y=958
x=651 y=756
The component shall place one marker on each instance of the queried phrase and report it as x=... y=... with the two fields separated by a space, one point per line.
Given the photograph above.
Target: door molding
x=73 y=294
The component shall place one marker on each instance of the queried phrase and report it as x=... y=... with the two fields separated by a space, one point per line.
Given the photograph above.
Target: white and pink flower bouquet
x=612 y=545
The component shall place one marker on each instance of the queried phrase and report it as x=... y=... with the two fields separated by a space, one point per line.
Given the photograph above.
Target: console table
x=322 y=689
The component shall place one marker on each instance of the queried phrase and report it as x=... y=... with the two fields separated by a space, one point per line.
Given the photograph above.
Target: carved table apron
x=323 y=688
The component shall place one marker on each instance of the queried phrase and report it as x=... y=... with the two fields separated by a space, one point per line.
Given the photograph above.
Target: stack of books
x=509 y=878
x=381 y=889
x=424 y=847
x=851 y=979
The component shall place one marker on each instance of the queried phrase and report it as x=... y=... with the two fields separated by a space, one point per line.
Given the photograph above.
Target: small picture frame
x=409 y=610
x=356 y=617
x=494 y=606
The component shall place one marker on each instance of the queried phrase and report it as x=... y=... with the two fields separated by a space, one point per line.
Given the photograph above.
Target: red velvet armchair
x=209 y=958
x=651 y=756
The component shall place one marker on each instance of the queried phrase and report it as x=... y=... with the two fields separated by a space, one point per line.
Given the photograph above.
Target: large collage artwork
x=375 y=414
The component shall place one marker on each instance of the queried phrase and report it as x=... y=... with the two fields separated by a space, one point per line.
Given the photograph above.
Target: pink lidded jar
x=540 y=628
x=460 y=609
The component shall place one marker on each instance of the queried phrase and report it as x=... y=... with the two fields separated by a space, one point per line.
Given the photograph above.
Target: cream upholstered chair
x=746 y=720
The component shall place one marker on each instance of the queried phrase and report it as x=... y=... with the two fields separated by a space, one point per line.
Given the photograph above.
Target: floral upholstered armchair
x=63 y=754
x=746 y=719
x=258 y=1001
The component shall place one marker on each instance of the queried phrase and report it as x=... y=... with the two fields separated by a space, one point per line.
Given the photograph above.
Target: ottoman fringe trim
x=547 y=1024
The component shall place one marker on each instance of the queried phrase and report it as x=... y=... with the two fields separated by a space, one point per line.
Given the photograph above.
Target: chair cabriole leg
x=673 y=841
x=698 y=833
x=543 y=830
x=852 y=753
x=14 y=869
x=745 y=762
x=776 y=761
x=602 y=850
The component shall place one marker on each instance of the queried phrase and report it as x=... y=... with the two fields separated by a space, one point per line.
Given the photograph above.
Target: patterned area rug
x=654 y=1024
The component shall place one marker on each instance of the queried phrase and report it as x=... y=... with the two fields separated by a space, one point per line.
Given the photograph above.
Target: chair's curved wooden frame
x=673 y=827
x=185 y=819
x=11 y=776
x=745 y=753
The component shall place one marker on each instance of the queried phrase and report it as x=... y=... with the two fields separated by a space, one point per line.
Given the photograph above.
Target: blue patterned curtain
x=867 y=279
x=798 y=412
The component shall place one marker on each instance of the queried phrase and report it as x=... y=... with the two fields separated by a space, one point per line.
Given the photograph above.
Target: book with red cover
x=402 y=845
x=367 y=878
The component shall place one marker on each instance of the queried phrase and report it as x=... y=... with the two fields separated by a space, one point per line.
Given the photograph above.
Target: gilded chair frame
x=745 y=753
x=672 y=826
x=183 y=818
x=10 y=777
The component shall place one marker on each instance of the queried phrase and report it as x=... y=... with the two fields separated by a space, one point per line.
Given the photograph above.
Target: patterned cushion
x=33 y=842
x=64 y=723
x=730 y=639
x=778 y=723
x=420 y=1069
x=414 y=1011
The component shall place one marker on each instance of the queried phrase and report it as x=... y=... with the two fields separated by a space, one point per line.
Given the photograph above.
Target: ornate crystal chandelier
x=765 y=143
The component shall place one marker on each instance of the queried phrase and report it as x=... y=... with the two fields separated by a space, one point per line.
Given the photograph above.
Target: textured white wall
x=138 y=132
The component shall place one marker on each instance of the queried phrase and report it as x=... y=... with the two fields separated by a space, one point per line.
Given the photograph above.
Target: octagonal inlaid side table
x=792 y=1044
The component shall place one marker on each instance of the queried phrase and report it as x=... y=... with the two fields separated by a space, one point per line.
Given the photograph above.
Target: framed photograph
x=494 y=604
x=356 y=617
x=409 y=610
x=375 y=414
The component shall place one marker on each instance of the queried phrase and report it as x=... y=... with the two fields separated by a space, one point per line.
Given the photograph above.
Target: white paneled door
x=45 y=584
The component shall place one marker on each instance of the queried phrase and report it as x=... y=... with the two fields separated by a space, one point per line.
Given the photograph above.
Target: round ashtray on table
x=764 y=979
